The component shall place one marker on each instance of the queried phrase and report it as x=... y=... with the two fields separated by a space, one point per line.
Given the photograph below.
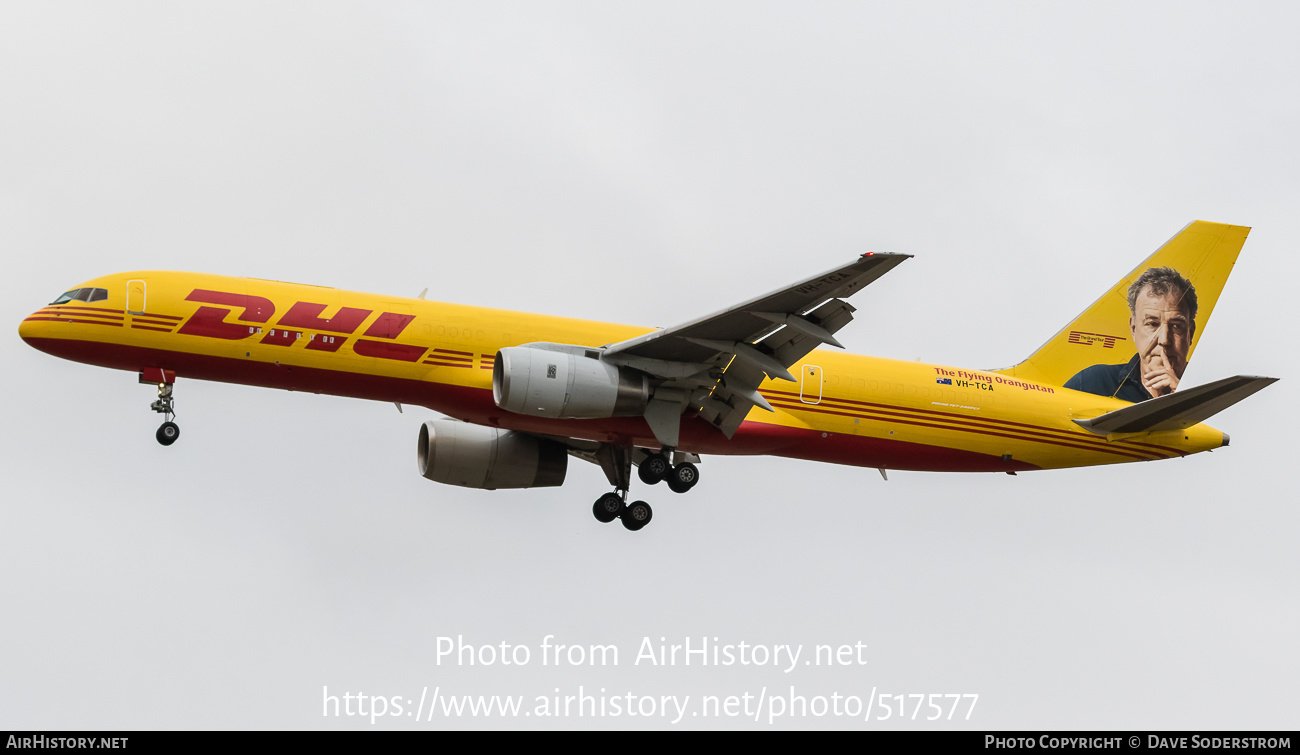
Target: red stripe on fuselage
x=894 y=418
x=384 y=350
x=58 y=307
x=73 y=320
x=48 y=312
x=969 y=424
x=446 y=355
x=476 y=405
x=950 y=416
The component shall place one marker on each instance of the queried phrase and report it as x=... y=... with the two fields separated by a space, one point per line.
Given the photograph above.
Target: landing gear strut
x=169 y=431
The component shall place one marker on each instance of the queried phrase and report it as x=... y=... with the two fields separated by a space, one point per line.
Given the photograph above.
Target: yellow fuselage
x=844 y=408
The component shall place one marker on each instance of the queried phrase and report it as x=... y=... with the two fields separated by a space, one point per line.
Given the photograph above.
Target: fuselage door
x=135 y=297
x=810 y=384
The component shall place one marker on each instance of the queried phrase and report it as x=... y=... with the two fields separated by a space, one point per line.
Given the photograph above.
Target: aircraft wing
x=716 y=363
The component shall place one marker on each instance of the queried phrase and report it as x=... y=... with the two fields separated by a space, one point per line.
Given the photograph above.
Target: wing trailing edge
x=716 y=363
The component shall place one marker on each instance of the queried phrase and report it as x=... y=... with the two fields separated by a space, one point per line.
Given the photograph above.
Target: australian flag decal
x=943 y=381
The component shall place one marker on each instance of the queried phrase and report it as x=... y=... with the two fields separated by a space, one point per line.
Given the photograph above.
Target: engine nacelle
x=488 y=458
x=572 y=383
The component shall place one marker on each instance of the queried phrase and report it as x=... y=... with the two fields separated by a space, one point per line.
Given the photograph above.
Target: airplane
x=523 y=393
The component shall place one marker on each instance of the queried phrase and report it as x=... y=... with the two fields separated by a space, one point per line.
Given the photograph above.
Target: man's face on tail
x=1162 y=331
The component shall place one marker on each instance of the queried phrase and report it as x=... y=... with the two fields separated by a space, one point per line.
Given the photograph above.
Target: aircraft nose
x=28 y=328
x=35 y=328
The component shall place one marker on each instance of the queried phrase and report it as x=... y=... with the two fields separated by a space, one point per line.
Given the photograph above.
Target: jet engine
x=488 y=458
x=567 y=382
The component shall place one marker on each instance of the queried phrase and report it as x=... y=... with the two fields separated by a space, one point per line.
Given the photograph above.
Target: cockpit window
x=82 y=294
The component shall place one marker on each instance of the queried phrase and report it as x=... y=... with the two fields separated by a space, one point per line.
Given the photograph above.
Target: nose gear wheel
x=169 y=431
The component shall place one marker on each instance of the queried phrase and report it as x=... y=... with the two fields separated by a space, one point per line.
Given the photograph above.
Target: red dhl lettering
x=210 y=322
x=307 y=315
x=389 y=325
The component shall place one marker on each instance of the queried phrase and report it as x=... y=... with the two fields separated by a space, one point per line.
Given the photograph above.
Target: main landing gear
x=611 y=506
x=680 y=477
x=169 y=431
x=617 y=463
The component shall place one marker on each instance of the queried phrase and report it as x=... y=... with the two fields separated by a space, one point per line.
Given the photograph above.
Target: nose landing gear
x=169 y=431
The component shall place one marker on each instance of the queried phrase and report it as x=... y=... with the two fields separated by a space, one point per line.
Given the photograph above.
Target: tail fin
x=1177 y=411
x=1114 y=350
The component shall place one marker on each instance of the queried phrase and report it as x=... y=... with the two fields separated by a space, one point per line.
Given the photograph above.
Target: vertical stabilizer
x=1135 y=341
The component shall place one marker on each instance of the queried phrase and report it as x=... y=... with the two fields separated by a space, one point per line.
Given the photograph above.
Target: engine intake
x=488 y=458
x=542 y=382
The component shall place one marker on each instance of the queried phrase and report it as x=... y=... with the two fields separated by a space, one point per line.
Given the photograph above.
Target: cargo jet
x=525 y=392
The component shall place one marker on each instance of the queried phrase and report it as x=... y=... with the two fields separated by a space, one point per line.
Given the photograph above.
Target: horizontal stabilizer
x=1177 y=411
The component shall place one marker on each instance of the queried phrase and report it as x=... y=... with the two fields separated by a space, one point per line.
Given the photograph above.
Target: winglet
x=1177 y=411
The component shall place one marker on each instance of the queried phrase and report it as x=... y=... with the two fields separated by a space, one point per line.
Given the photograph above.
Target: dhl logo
x=1088 y=339
x=331 y=332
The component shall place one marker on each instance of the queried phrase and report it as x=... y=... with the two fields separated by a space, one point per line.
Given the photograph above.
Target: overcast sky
x=644 y=163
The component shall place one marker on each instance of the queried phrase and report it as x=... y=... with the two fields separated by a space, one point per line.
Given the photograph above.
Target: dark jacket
x=1123 y=381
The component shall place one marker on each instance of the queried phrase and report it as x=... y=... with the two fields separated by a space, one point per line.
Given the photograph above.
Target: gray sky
x=643 y=163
